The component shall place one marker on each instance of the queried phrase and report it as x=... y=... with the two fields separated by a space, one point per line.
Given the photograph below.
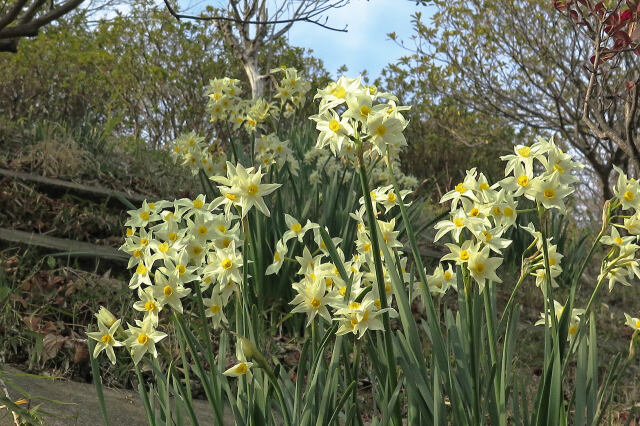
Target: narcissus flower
x=550 y=192
x=482 y=267
x=523 y=156
x=278 y=258
x=225 y=265
x=141 y=217
x=168 y=291
x=244 y=188
x=358 y=317
x=460 y=254
x=459 y=221
x=214 y=310
x=616 y=240
x=385 y=129
x=106 y=340
x=521 y=183
x=143 y=339
x=311 y=299
x=148 y=304
x=295 y=228
x=105 y=317
x=627 y=191
x=632 y=322
x=239 y=369
x=462 y=189
x=558 y=308
x=441 y=280
x=334 y=130
x=492 y=239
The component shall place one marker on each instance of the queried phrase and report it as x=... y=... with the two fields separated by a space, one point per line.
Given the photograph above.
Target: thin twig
x=306 y=18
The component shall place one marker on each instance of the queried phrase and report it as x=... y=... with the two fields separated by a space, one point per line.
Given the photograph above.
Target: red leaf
x=574 y=15
x=560 y=5
x=625 y=15
x=622 y=40
x=612 y=19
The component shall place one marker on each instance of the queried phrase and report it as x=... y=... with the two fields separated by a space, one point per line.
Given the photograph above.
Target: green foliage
x=524 y=63
x=445 y=136
x=140 y=74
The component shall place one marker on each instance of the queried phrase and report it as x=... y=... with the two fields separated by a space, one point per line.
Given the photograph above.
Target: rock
x=71 y=403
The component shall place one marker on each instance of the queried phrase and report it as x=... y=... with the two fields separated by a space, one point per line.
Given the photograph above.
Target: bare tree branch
x=237 y=20
x=236 y=26
x=13 y=13
x=29 y=22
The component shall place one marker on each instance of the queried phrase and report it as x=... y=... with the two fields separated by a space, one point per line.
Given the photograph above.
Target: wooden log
x=58 y=186
x=69 y=247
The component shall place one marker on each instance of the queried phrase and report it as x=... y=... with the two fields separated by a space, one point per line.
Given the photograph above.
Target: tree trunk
x=253 y=73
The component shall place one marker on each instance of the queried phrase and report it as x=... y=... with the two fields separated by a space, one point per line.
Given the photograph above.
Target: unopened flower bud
x=106 y=317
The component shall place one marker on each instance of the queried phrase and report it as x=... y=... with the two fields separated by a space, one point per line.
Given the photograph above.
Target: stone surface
x=81 y=405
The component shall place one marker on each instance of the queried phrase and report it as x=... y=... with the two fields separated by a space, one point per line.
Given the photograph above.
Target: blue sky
x=364 y=46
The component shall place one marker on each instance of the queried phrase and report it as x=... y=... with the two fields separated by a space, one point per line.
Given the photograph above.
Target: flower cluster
x=482 y=212
x=321 y=286
x=350 y=113
x=271 y=151
x=620 y=263
x=225 y=103
x=175 y=246
x=291 y=90
x=193 y=153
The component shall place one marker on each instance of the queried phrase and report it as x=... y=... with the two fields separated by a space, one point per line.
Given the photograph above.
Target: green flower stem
x=145 y=397
x=356 y=368
x=314 y=337
x=233 y=145
x=97 y=379
x=252 y=352
x=547 y=267
x=581 y=328
x=202 y=182
x=213 y=189
x=375 y=246
x=205 y=335
x=245 y=264
x=610 y=206
x=204 y=177
x=436 y=332
x=185 y=366
x=491 y=335
x=597 y=288
x=294 y=185
x=469 y=294
x=213 y=395
x=507 y=307
x=551 y=357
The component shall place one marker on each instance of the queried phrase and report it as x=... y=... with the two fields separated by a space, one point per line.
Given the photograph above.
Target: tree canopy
x=524 y=62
